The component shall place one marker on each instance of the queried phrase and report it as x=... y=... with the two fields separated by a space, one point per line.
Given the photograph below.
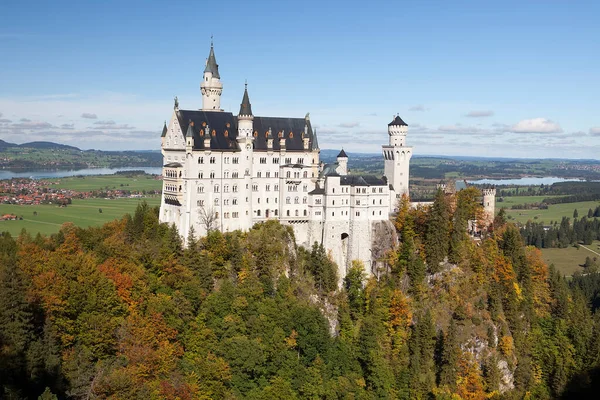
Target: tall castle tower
x=245 y=140
x=211 y=85
x=489 y=204
x=397 y=159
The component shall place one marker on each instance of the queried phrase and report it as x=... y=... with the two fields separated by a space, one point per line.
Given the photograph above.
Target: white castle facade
x=227 y=172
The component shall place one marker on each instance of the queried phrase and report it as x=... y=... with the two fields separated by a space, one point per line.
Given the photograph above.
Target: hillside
x=132 y=313
x=49 y=155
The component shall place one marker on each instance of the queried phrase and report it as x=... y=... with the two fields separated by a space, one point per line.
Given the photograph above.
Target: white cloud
x=89 y=116
x=536 y=125
x=349 y=124
x=31 y=125
x=479 y=113
x=105 y=122
x=595 y=131
x=418 y=107
x=458 y=128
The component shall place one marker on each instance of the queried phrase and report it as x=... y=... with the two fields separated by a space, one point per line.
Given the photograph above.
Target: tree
x=450 y=357
x=437 y=234
x=353 y=283
x=575 y=214
x=208 y=218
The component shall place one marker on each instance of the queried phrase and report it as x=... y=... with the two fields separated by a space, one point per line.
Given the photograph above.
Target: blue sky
x=506 y=78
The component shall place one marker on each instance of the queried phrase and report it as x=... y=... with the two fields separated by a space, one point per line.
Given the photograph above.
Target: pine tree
x=438 y=232
x=353 y=283
x=450 y=357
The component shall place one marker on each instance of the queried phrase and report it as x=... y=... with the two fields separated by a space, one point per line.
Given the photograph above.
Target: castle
x=227 y=172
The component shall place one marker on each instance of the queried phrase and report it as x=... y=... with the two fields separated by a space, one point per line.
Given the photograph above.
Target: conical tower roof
x=398 y=121
x=342 y=154
x=315 y=142
x=164 y=131
x=245 y=107
x=190 y=130
x=211 y=63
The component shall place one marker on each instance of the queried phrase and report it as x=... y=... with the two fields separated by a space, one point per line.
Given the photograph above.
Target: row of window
x=360 y=190
x=235 y=175
x=169 y=173
x=275 y=213
x=288 y=160
x=171 y=188
x=226 y=160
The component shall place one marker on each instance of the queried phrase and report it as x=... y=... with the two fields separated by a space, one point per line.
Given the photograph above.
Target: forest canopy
x=126 y=311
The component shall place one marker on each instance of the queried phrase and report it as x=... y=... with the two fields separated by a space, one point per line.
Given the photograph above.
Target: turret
x=342 y=160
x=211 y=86
x=397 y=129
x=245 y=117
x=489 y=204
x=189 y=138
x=397 y=160
x=164 y=134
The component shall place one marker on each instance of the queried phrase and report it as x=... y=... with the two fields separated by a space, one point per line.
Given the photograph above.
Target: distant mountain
x=5 y=145
x=48 y=145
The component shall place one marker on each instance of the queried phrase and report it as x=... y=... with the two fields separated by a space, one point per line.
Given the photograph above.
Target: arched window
x=296 y=200
x=201 y=160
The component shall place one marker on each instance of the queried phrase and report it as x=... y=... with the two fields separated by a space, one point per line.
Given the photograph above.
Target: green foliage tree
x=438 y=232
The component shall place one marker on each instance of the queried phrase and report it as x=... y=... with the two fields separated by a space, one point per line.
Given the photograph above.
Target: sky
x=472 y=78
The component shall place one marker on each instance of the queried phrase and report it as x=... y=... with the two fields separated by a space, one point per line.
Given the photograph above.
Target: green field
x=104 y=182
x=82 y=213
x=555 y=212
x=569 y=260
x=510 y=201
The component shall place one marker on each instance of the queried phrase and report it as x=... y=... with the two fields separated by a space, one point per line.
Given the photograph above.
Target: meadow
x=82 y=213
x=106 y=182
x=570 y=260
x=555 y=212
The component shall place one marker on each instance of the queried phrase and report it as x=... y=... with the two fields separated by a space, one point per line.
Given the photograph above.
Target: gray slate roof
x=211 y=64
x=398 y=121
x=362 y=180
x=223 y=130
x=245 y=107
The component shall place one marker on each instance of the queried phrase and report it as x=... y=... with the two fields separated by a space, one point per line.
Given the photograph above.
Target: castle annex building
x=227 y=172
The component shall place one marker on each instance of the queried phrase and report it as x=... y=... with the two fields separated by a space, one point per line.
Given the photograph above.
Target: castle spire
x=315 y=143
x=245 y=107
x=211 y=63
x=211 y=86
x=164 y=131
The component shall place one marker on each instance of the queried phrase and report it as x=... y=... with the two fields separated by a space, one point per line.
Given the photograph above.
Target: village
x=34 y=192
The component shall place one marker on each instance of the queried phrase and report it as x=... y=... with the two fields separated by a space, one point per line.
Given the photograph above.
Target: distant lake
x=46 y=174
x=526 y=181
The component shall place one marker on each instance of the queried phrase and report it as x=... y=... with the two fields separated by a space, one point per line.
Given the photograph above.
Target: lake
x=525 y=181
x=45 y=174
